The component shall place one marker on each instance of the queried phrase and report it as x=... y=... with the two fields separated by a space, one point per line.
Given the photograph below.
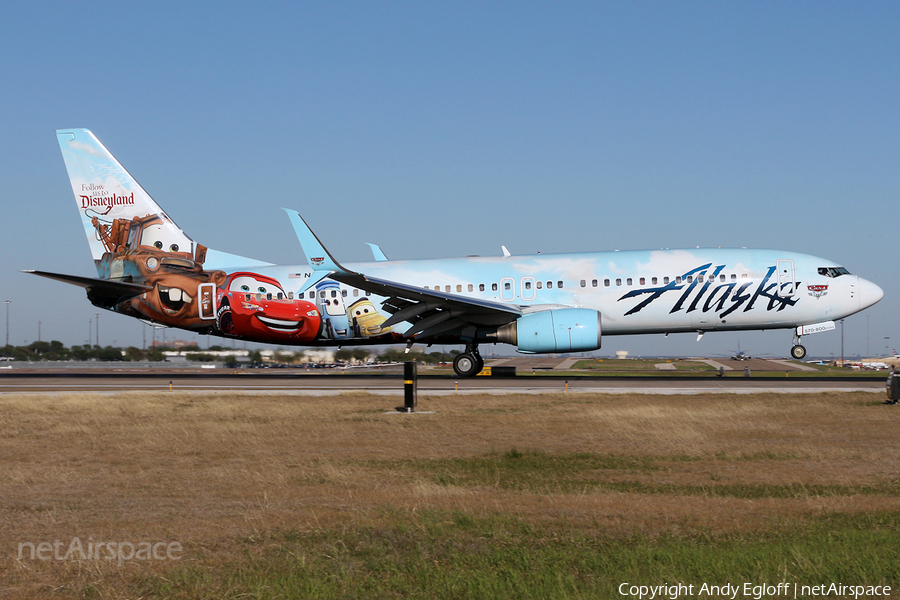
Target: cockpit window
x=833 y=271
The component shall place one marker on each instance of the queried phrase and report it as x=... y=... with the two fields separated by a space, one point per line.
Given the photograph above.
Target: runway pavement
x=43 y=382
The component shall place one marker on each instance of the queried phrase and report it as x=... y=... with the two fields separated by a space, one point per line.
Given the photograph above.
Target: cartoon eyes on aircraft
x=254 y=306
x=366 y=320
x=334 y=314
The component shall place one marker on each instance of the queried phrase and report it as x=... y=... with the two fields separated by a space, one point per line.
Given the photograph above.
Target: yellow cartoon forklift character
x=366 y=319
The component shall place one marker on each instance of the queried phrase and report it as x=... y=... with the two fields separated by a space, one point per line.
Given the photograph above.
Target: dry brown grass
x=211 y=470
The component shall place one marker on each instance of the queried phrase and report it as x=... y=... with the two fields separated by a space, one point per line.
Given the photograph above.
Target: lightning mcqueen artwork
x=255 y=306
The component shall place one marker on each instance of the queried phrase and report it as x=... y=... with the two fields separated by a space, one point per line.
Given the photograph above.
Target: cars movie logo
x=817 y=291
x=318 y=260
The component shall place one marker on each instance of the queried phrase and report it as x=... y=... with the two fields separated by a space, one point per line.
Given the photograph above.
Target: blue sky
x=448 y=129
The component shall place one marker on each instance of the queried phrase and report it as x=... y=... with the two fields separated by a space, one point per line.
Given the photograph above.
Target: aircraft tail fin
x=119 y=215
x=115 y=210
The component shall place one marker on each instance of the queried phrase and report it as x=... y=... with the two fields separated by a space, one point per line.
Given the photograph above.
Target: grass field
x=517 y=496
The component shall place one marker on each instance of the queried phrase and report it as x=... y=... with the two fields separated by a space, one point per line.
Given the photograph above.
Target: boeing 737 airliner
x=150 y=269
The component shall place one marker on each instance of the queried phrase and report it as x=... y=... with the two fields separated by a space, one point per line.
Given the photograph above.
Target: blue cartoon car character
x=334 y=313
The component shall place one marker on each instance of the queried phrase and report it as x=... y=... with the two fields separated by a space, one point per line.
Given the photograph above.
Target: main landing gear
x=468 y=363
x=798 y=352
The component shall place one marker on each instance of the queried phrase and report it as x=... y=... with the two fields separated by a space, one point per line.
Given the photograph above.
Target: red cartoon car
x=255 y=307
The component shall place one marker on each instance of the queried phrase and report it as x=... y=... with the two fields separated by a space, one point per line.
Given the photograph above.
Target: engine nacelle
x=555 y=330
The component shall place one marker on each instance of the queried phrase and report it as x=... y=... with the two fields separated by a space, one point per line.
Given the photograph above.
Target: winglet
x=319 y=258
x=506 y=253
x=376 y=252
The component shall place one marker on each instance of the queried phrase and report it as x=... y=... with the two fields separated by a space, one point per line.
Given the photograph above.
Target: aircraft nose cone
x=869 y=293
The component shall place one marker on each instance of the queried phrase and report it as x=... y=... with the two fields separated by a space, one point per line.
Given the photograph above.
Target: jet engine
x=555 y=330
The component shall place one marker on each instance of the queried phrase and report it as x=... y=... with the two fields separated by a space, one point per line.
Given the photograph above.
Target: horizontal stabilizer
x=216 y=259
x=101 y=292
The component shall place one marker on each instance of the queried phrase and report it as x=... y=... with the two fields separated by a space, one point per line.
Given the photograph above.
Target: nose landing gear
x=798 y=352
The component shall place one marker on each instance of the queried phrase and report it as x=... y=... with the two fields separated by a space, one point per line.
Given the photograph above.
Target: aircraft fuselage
x=636 y=292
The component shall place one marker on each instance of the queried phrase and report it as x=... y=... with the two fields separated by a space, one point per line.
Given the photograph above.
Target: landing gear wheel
x=798 y=352
x=467 y=365
x=480 y=362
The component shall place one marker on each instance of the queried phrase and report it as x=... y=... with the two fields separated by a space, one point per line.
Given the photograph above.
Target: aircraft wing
x=105 y=292
x=431 y=312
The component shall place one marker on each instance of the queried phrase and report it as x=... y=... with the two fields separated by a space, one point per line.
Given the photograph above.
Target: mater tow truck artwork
x=181 y=293
x=150 y=269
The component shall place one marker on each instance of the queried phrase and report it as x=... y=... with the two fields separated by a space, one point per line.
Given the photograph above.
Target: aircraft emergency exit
x=148 y=268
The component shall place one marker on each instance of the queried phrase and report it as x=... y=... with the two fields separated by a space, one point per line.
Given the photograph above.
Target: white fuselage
x=654 y=291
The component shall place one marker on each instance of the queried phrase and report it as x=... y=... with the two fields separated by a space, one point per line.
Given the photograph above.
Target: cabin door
x=785 y=269
x=207 y=300
x=507 y=289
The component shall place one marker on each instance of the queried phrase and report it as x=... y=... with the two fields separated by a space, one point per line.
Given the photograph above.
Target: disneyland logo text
x=91 y=550
x=110 y=201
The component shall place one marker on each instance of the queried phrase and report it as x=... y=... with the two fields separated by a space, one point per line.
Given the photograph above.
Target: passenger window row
x=665 y=280
x=328 y=293
x=507 y=286
x=549 y=284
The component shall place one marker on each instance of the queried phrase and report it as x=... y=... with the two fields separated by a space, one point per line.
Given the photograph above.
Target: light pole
x=7 y=322
x=98 y=328
x=90 y=331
